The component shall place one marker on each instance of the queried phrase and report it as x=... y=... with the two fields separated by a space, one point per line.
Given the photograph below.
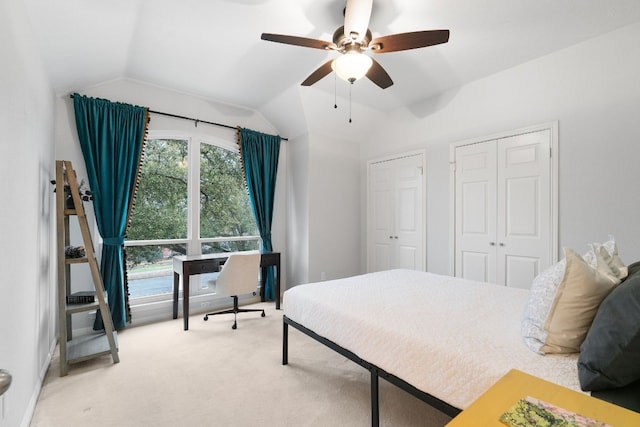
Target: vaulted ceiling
x=212 y=48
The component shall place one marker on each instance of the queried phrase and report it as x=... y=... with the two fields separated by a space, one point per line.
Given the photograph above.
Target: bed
x=443 y=339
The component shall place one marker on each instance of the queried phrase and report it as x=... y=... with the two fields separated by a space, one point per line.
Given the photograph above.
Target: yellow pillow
x=576 y=302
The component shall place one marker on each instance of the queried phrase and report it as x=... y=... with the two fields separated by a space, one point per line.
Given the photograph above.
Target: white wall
x=298 y=210
x=334 y=208
x=323 y=209
x=27 y=292
x=591 y=89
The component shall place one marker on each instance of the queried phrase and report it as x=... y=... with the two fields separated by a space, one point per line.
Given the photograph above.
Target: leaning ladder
x=88 y=346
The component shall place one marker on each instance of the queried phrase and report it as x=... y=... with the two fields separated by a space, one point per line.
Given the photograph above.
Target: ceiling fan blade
x=318 y=74
x=298 y=41
x=378 y=75
x=406 y=41
x=356 y=18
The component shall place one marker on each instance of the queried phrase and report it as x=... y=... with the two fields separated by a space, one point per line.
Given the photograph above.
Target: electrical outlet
x=323 y=275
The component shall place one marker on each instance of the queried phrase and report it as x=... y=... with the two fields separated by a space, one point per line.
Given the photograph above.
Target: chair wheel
x=262 y=315
x=235 y=326
x=206 y=318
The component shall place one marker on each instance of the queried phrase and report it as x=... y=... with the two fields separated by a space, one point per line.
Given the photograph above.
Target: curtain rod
x=193 y=120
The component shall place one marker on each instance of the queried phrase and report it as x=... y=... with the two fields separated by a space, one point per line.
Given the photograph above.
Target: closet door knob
x=492 y=243
x=501 y=244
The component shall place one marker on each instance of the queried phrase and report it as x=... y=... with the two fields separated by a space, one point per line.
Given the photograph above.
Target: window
x=191 y=200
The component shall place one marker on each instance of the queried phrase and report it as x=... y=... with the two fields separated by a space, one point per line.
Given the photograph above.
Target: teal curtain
x=260 y=154
x=111 y=137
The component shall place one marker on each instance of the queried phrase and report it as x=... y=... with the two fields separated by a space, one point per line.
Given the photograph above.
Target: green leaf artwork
x=531 y=412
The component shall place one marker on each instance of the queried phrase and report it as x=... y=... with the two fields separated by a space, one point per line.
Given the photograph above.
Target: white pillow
x=563 y=302
x=541 y=296
x=611 y=257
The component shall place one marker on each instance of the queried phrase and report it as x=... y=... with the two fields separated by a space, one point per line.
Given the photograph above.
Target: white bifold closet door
x=396 y=214
x=503 y=208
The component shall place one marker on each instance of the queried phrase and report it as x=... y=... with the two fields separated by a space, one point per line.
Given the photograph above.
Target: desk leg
x=263 y=282
x=185 y=300
x=176 y=285
x=278 y=284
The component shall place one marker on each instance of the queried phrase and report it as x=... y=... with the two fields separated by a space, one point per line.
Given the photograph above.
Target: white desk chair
x=239 y=275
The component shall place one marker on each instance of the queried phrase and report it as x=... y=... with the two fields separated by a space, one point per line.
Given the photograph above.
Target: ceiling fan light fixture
x=352 y=66
x=353 y=39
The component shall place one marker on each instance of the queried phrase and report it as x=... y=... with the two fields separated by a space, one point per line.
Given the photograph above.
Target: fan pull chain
x=335 y=84
x=350 y=101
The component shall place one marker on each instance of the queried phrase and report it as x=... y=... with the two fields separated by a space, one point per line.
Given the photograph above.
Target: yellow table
x=516 y=385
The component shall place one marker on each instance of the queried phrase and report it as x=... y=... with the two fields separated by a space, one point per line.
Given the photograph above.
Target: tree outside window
x=185 y=203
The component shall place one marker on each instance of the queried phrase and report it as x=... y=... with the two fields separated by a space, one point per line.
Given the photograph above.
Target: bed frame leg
x=375 y=409
x=285 y=343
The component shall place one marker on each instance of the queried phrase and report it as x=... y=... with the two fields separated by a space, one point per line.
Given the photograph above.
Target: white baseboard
x=33 y=401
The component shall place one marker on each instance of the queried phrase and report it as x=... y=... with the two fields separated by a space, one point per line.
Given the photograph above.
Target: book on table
x=529 y=411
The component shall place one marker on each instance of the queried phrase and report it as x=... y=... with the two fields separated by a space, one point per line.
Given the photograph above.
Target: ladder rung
x=76 y=260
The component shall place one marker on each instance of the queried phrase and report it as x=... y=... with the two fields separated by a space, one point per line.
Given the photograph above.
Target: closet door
x=395 y=214
x=381 y=217
x=524 y=207
x=476 y=212
x=503 y=209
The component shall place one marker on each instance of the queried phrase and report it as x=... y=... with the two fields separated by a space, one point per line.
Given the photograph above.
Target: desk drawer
x=203 y=266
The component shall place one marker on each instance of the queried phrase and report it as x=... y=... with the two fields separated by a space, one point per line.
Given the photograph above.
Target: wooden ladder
x=88 y=346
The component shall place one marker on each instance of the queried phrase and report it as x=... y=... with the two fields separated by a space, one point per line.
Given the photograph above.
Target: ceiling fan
x=354 y=39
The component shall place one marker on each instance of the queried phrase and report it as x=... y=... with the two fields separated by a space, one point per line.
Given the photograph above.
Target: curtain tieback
x=113 y=241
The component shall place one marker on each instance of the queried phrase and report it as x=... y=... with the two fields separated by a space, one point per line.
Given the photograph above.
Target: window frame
x=193 y=241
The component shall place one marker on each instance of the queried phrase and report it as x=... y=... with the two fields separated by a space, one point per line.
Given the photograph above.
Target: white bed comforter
x=449 y=337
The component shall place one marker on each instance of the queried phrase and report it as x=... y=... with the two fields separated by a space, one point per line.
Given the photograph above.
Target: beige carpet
x=212 y=375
